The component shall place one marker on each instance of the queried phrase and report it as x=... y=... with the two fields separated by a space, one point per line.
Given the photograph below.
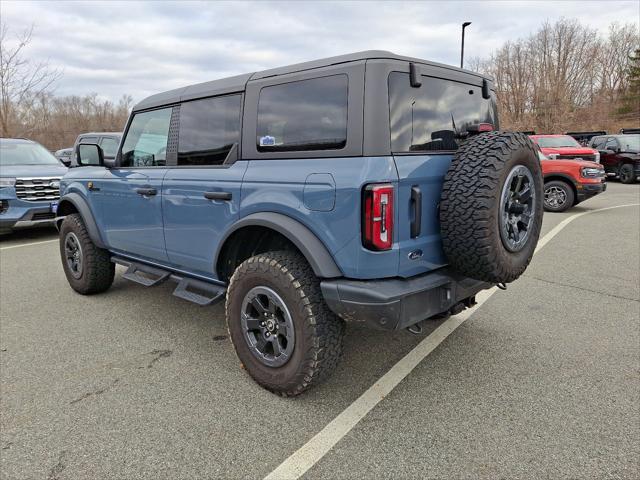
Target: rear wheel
x=627 y=174
x=284 y=334
x=558 y=196
x=88 y=268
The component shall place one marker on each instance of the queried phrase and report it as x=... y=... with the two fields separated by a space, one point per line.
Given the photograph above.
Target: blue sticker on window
x=267 y=141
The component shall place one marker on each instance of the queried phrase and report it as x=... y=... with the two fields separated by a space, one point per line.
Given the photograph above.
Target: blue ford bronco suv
x=370 y=188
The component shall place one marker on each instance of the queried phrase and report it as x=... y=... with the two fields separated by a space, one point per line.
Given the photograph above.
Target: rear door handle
x=416 y=200
x=218 y=195
x=146 y=191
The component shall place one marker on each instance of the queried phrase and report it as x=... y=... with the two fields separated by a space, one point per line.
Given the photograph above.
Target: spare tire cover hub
x=517 y=208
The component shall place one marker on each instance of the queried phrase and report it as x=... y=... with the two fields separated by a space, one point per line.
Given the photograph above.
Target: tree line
x=565 y=76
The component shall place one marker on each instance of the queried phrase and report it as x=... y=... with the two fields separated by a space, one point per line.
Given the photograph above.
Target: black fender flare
x=319 y=258
x=83 y=208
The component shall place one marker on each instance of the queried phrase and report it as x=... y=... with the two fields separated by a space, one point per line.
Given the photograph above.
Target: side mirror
x=66 y=162
x=89 y=155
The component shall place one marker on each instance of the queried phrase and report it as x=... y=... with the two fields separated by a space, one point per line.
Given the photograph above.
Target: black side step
x=204 y=294
x=145 y=275
x=196 y=291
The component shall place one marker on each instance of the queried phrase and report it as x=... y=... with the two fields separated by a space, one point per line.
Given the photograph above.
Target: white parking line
x=27 y=244
x=311 y=452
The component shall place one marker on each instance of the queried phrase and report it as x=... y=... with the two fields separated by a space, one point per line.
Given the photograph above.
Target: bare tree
x=22 y=81
x=563 y=77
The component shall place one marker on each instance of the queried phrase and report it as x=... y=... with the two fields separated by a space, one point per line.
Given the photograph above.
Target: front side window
x=597 y=143
x=109 y=146
x=89 y=140
x=146 y=141
x=303 y=115
x=436 y=115
x=612 y=144
x=208 y=130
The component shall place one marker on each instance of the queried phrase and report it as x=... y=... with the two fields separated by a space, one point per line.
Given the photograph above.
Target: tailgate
x=419 y=188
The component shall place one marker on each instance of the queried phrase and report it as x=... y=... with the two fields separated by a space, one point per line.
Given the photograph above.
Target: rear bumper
x=588 y=190
x=394 y=304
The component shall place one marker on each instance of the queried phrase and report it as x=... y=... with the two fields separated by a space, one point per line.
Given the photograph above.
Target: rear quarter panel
x=279 y=186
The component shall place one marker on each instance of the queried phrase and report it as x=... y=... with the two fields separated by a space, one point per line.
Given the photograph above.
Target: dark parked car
x=306 y=200
x=620 y=155
x=108 y=141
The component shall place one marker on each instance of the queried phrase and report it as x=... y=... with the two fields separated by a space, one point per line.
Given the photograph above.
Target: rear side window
x=208 y=130
x=432 y=116
x=303 y=115
x=146 y=142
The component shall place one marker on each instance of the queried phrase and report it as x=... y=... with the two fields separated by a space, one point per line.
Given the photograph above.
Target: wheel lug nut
x=268 y=334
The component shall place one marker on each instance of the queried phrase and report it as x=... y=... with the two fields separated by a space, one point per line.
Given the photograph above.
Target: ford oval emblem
x=415 y=255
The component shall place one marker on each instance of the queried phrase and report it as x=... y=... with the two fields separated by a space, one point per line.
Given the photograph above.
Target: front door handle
x=218 y=195
x=146 y=191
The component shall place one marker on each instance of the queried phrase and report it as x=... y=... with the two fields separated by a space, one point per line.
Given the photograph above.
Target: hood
x=585 y=163
x=568 y=151
x=32 y=170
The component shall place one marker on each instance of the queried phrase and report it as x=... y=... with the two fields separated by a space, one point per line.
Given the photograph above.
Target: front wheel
x=627 y=174
x=284 y=334
x=88 y=268
x=558 y=196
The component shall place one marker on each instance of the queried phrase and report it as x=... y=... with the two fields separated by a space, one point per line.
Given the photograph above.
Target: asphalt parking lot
x=542 y=381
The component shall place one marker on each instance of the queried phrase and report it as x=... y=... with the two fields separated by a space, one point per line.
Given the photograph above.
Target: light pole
x=464 y=25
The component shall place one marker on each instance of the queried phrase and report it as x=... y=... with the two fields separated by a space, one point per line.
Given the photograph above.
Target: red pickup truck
x=569 y=182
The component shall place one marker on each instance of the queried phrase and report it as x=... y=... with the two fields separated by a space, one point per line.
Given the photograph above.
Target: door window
x=146 y=142
x=208 y=130
x=303 y=115
x=89 y=140
x=611 y=144
x=597 y=143
x=109 y=146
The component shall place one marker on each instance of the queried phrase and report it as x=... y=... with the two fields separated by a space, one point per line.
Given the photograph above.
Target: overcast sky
x=141 y=48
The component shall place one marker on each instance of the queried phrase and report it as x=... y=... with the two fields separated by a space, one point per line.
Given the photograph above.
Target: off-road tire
x=318 y=331
x=627 y=174
x=570 y=198
x=97 y=270
x=470 y=206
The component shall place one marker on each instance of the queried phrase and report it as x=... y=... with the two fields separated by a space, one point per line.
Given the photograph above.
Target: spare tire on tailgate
x=491 y=207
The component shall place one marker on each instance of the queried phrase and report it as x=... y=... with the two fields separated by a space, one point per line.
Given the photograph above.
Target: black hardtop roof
x=238 y=83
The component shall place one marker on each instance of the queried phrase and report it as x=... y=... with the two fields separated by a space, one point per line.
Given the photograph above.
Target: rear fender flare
x=319 y=258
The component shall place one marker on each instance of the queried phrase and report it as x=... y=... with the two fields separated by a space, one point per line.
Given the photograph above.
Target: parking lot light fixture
x=464 y=25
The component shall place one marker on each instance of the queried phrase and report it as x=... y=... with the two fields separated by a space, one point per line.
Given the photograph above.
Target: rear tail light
x=377 y=216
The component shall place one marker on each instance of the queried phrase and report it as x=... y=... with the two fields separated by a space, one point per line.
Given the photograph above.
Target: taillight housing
x=377 y=216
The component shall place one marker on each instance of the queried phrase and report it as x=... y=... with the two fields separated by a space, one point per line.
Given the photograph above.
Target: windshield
x=557 y=142
x=25 y=154
x=630 y=143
